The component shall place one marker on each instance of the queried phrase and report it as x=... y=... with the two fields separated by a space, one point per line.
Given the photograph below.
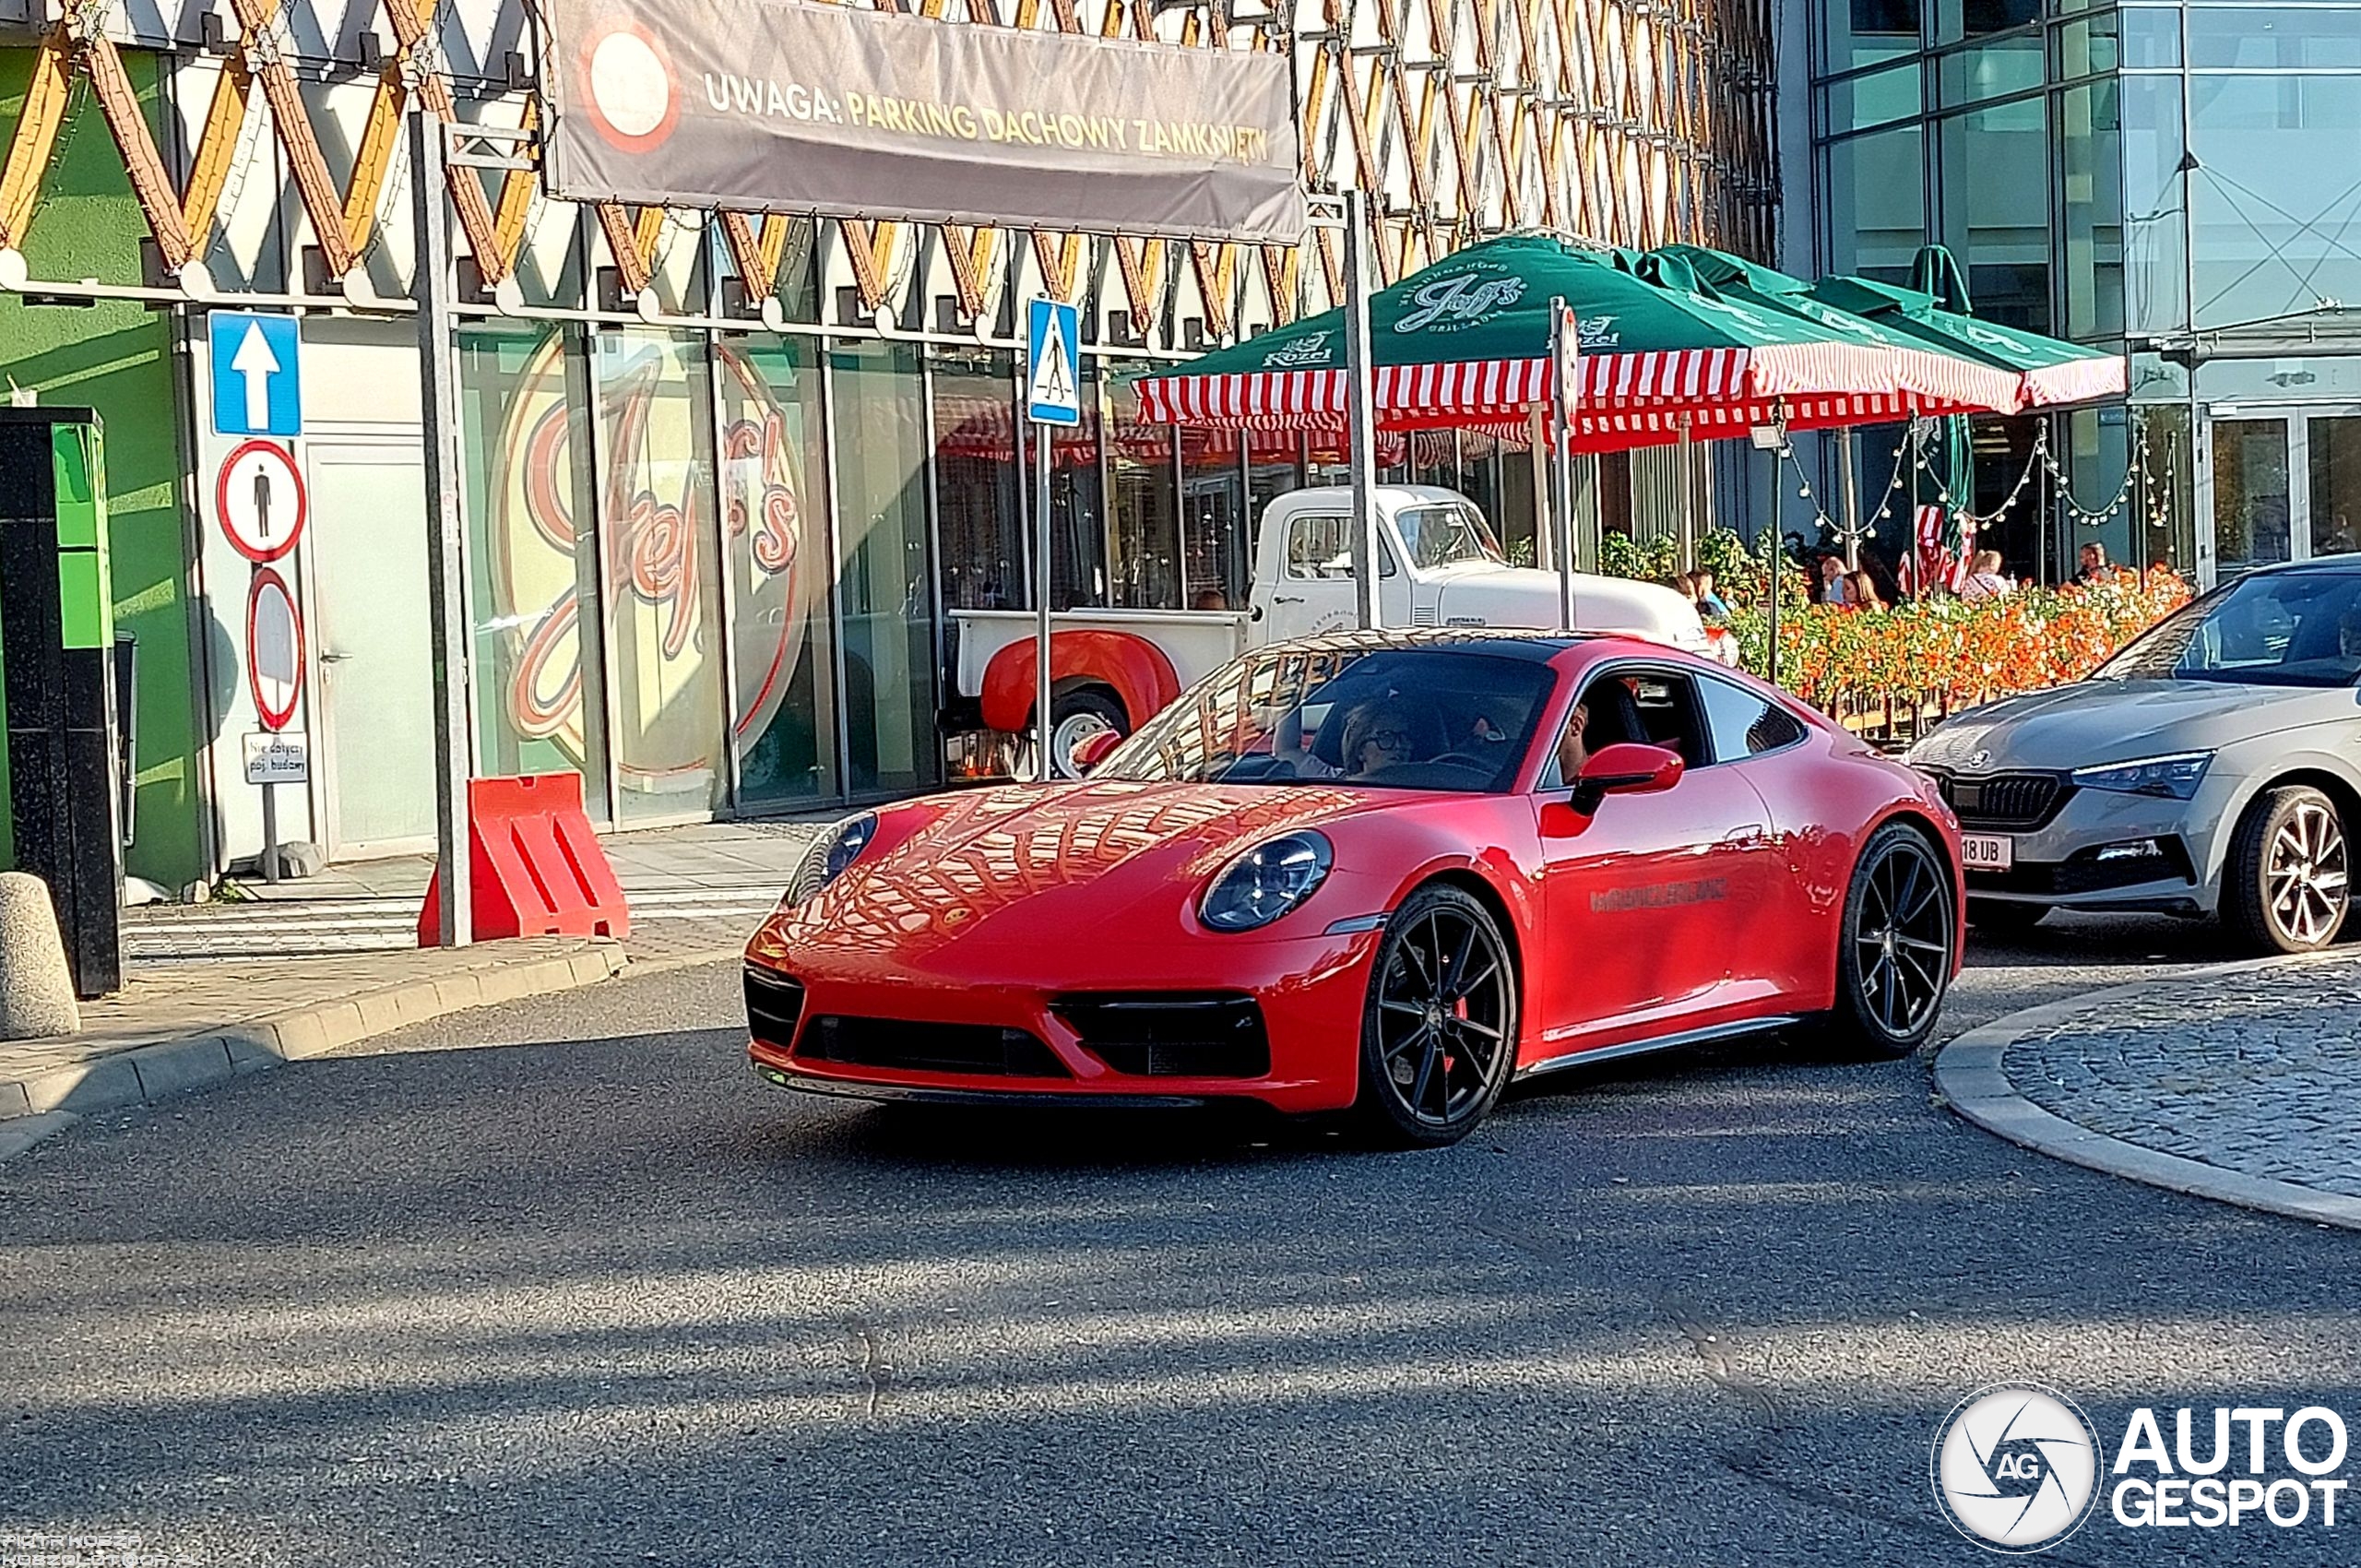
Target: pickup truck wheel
x=1075 y=717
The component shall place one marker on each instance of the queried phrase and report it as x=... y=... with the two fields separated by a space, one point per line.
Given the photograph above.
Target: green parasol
x=1467 y=342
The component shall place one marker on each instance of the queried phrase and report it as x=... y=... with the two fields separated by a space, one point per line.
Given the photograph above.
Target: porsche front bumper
x=1273 y=1021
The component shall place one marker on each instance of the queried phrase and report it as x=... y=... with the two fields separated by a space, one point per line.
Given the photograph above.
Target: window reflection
x=525 y=396
x=1144 y=547
x=978 y=476
x=882 y=591
x=775 y=521
x=662 y=592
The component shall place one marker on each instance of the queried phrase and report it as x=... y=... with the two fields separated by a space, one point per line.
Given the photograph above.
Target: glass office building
x=2176 y=180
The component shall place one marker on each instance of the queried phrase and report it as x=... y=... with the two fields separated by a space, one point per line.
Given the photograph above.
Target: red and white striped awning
x=2076 y=380
x=1625 y=400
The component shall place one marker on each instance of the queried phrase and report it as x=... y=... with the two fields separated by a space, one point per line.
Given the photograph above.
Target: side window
x=1319 y=548
x=1745 y=725
x=1650 y=707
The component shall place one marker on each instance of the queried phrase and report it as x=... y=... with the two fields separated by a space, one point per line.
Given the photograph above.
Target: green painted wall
x=116 y=357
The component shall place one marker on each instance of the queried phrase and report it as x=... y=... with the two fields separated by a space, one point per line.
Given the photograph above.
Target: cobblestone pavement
x=2251 y=1069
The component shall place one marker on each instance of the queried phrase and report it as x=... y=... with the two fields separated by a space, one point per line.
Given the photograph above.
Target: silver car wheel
x=1068 y=734
x=2305 y=877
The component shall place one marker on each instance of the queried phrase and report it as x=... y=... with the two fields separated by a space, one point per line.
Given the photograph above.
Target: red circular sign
x=260 y=502
x=274 y=650
x=630 y=88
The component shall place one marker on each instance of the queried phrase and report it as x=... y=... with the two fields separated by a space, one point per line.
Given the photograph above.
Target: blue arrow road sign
x=1052 y=364
x=257 y=373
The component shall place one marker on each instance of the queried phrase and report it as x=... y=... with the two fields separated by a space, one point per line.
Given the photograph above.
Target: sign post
x=447 y=645
x=1361 y=413
x=1565 y=361
x=1052 y=402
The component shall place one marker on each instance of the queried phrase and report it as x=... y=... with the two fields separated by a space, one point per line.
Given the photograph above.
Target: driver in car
x=1378 y=735
x=1572 y=752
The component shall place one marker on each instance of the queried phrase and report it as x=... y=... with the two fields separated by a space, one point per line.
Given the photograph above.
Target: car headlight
x=1266 y=882
x=2173 y=778
x=830 y=859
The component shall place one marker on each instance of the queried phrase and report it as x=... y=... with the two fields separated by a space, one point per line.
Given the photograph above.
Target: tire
x=2286 y=888
x=1894 y=948
x=1074 y=718
x=2003 y=922
x=1440 y=1026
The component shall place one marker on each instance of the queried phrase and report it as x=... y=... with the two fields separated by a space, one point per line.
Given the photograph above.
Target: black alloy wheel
x=1439 y=1032
x=1893 y=964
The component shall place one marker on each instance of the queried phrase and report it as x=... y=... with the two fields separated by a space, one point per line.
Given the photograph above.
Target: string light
x=1912 y=451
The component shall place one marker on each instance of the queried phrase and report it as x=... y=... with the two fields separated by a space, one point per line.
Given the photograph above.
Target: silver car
x=2212 y=767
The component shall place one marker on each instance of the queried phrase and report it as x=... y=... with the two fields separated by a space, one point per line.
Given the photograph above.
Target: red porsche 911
x=1375 y=872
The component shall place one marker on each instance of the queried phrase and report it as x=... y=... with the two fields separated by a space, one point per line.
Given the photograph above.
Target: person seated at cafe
x=1211 y=599
x=1708 y=601
x=1860 y=591
x=1987 y=580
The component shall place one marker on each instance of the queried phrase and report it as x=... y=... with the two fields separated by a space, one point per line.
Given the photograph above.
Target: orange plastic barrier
x=536 y=868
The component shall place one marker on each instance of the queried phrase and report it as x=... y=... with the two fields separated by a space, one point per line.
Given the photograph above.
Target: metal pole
x=1361 y=410
x=1041 y=437
x=1687 y=519
x=1852 y=499
x=270 y=833
x=1545 y=529
x=1778 y=553
x=446 y=573
x=1564 y=344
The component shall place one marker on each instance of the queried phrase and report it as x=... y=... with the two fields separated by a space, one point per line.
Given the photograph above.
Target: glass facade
x=716 y=572
x=663 y=587
x=2164 y=179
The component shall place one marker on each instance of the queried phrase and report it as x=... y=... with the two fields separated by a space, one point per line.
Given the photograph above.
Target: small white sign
x=1988 y=852
x=278 y=759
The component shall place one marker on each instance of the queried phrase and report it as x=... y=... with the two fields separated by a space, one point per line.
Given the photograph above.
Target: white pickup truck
x=1111 y=668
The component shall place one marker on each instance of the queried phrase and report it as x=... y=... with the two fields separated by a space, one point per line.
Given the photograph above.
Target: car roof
x=1500 y=642
x=2343 y=564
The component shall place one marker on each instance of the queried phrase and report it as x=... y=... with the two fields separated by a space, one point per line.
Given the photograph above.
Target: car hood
x=1018 y=866
x=2091 y=722
x=1520 y=595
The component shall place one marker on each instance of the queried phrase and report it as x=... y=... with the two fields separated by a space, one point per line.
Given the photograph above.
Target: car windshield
x=2272 y=629
x=1444 y=535
x=1409 y=718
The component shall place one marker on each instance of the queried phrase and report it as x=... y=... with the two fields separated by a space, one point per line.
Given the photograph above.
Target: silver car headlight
x=1266 y=882
x=2173 y=778
x=830 y=859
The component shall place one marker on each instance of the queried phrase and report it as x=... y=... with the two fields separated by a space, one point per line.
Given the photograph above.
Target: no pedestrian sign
x=1053 y=382
x=260 y=501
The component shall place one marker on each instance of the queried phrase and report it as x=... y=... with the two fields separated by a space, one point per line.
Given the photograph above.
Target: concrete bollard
x=36 y=988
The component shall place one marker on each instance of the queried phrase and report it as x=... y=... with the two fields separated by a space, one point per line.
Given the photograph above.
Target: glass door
x=2251 y=496
x=2332 y=464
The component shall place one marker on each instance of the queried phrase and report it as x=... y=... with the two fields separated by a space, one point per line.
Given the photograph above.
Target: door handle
x=327 y=658
x=1286 y=598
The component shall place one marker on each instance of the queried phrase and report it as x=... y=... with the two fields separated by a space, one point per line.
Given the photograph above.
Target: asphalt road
x=564 y=1284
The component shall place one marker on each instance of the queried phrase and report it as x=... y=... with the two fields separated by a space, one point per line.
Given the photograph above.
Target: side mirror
x=1092 y=750
x=1626 y=768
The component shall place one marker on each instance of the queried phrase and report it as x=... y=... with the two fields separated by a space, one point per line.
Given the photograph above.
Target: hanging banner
x=779 y=106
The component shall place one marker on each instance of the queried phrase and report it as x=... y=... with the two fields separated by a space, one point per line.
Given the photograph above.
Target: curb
x=1969 y=1075
x=142 y=1075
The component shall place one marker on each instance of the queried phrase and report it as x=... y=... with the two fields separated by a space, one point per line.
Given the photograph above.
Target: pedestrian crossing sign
x=1052 y=384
